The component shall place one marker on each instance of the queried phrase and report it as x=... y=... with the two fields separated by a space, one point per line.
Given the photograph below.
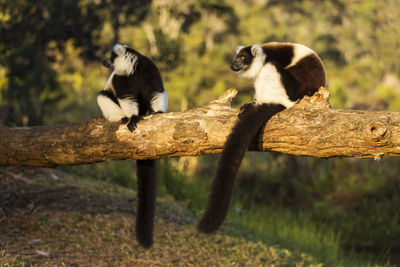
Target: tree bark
x=310 y=128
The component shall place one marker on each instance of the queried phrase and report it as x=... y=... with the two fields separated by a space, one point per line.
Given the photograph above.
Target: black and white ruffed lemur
x=283 y=74
x=134 y=90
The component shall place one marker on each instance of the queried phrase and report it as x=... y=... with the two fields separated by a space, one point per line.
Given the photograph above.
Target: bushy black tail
x=146 y=201
x=251 y=120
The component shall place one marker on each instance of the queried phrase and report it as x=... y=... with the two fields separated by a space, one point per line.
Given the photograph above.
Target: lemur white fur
x=110 y=109
x=159 y=102
x=125 y=62
x=108 y=85
x=129 y=106
x=269 y=89
x=300 y=51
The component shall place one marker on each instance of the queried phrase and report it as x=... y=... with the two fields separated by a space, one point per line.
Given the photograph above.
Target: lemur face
x=122 y=59
x=243 y=59
x=249 y=61
x=109 y=62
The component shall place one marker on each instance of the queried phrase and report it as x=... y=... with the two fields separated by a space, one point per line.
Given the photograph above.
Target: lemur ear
x=239 y=48
x=256 y=50
x=119 y=49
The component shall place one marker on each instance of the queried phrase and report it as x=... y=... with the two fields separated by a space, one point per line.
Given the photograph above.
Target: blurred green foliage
x=50 y=72
x=51 y=51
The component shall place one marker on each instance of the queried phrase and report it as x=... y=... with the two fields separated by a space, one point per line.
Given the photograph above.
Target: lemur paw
x=124 y=120
x=245 y=108
x=131 y=126
x=132 y=123
x=155 y=112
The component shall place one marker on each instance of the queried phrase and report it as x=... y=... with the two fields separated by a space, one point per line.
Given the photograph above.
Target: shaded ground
x=50 y=218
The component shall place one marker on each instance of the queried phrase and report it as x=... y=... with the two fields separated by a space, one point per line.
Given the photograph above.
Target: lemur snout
x=236 y=66
x=107 y=63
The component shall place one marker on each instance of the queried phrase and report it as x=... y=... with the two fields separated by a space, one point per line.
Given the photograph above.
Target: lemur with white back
x=134 y=90
x=283 y=74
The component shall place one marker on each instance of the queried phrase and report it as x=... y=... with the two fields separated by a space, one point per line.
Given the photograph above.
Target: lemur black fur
x=283 y=74
x=134 y=90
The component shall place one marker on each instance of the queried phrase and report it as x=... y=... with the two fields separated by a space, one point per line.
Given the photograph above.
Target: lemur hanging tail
x=250 y=121
x=146 y=201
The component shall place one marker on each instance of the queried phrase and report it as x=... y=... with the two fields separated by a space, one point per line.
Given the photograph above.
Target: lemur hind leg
x=130 y=106
x=109 y=106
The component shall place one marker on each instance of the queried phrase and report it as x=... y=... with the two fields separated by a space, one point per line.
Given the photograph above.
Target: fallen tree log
x=310 y=128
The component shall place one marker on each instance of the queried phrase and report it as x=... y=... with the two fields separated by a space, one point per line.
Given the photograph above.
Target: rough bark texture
x=309 y=128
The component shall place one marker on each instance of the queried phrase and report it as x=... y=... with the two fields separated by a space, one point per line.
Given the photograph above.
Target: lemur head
x=123 y=59
x=248 y=61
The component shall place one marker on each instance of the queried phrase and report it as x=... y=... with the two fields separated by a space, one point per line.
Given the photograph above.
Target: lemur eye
x=242 y=57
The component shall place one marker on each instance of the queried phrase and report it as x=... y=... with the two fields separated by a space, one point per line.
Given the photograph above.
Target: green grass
x=294 y=231
x=314 y=230
x=192 y=194
x=118 y=172
x=343 y=212
x=280 y=227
